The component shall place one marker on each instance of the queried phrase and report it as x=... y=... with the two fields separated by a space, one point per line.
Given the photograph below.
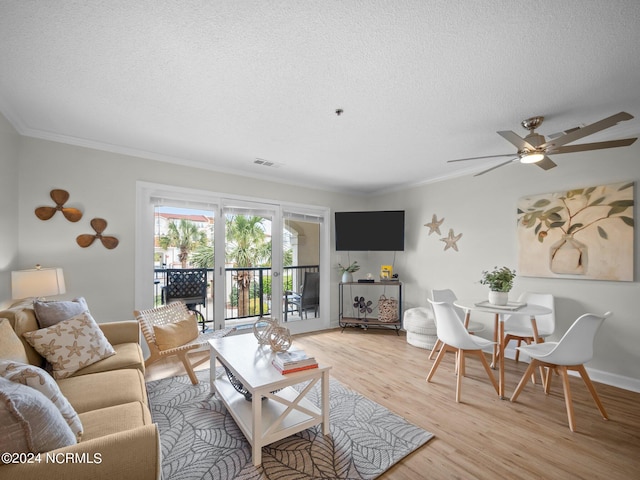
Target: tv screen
x=375 y=231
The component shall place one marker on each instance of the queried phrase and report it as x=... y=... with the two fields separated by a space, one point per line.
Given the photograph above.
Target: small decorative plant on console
x=500 y=282
x=347 y=272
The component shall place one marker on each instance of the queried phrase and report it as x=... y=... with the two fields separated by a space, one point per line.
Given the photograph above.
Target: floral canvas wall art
x=581 y=233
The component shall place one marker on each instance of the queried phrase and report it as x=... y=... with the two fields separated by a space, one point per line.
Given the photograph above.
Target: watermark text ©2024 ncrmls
x=53 y=458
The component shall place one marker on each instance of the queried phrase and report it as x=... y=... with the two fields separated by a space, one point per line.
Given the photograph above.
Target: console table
x=364 y=323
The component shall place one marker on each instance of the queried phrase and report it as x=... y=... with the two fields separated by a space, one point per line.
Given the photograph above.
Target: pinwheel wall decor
x=60 y=197
x=99 y=225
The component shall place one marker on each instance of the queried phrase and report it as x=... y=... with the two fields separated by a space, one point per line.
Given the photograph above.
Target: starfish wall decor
x=450 y=240
x=434 y=226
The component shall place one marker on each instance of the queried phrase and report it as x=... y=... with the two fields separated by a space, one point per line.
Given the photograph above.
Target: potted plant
x=500 y=282
x=347 y=272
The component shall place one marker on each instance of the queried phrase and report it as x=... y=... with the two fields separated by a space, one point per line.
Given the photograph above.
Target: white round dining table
x=512 y=308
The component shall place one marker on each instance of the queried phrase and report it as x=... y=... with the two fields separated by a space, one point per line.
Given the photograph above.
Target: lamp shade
x=37 y=282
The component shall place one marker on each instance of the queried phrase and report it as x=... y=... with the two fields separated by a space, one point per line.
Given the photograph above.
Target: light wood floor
x=481 y=437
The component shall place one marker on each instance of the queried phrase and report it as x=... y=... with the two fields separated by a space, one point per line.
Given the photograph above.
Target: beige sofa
x=111 y=401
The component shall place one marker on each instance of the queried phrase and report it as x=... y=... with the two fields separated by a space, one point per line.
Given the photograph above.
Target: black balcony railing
x=247 y=289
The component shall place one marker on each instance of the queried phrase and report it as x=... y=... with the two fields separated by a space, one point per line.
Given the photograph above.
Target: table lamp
x=37 y=282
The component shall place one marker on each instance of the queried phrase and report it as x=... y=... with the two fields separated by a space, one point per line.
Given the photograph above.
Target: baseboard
x=600 y=376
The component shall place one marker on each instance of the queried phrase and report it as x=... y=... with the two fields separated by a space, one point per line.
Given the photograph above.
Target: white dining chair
x=518 y=327
x=447 y=296
x=574 y=349
x=456 y=338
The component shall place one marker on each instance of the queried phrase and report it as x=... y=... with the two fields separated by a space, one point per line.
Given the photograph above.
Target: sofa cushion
x=30 y=422
x=11 y=348
x=37 y=378
x=128 y=355
x=71 y=344
x=176 y=334
x=104 y=389
x=52 y=312
x=22 y=318
x=118 y=418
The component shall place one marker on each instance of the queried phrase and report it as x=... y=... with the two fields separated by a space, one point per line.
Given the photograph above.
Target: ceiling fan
x=534 y=148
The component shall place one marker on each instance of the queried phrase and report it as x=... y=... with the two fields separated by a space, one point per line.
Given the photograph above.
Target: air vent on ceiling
x=266 y=163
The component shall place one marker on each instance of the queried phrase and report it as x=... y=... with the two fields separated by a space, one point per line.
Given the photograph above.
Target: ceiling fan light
x=533 y=157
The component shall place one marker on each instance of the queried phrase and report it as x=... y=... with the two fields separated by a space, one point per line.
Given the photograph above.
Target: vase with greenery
x=500 y=283
x=347 y=272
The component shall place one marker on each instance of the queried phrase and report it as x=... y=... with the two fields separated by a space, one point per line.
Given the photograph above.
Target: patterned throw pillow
x=37 y=378
x=50 y=313
x=71 y=344
x=29 y=421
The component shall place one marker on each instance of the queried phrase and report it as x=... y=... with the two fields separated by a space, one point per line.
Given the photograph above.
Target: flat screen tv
x=370 y=231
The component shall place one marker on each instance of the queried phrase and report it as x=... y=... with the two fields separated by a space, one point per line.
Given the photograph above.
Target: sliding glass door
x=301 y=264
x=262 y=258
x=252 y=264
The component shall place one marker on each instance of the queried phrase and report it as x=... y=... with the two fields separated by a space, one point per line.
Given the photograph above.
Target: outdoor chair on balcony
x=173 y=330
x=187 y=285
x=308 y=299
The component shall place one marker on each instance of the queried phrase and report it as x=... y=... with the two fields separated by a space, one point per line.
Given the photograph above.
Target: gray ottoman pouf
x=420 y=327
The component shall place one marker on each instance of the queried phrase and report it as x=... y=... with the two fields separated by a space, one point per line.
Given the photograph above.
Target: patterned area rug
x=200 y=439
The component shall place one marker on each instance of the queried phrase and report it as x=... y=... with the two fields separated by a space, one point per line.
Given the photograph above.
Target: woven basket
x=387 y=309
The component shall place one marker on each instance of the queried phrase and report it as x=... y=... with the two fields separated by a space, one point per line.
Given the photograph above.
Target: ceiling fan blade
x=588 y=130
x=479 y=158
x=559 y=134
x=45 y=213
x=85 y=240
x=546 y=163
x=584 y=147
x=516 y=140
x=497 y=166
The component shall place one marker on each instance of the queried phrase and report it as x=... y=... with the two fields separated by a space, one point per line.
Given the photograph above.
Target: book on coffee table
x=286 y=370
x=293 y=358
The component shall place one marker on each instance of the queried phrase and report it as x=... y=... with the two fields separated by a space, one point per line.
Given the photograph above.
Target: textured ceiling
x=217 y=84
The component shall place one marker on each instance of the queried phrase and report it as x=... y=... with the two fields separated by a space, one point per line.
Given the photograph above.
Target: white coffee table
x=268 y=416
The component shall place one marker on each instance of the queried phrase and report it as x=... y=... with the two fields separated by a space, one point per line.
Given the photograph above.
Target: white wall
x=103 y=184
x=483 y=209
x=9 y=154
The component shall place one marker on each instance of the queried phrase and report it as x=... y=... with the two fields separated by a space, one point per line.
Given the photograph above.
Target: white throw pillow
x=71 y=344
x=37 y=378
x=29 y=421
